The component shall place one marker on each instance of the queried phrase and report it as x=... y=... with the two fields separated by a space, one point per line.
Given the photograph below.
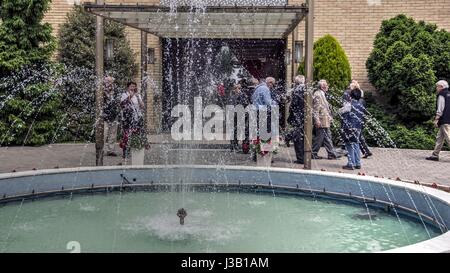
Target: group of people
x=125 y=108
x=257 y=93
x=353 y=115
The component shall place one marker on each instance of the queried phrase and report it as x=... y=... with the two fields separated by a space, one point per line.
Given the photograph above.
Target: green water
x=216 y=222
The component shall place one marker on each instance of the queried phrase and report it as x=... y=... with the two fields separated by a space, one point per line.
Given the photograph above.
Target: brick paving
x=390 y=163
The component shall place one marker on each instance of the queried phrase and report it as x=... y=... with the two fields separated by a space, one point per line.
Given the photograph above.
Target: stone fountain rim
x=439 y=243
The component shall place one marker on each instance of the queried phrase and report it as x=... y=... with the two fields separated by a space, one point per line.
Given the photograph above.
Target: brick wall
x=356 y=22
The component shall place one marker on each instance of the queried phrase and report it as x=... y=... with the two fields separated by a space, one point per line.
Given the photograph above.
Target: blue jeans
x=354 y=153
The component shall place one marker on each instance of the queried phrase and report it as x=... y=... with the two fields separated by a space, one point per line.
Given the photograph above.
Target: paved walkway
x=390 y=163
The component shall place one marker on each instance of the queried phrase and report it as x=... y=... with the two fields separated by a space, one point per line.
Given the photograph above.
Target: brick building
x=353 y=22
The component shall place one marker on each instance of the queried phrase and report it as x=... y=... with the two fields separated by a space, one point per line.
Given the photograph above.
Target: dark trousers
x=234 y=143
x=323 y=137
x=298 y=137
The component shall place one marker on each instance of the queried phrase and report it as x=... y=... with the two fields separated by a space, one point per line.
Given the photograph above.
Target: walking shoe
x=333 y=157
x=367 y=155
x=432 y=158
x=299 y=162
x=316 y=157
x=358 y=167
x=111 y=154
x=346 y=167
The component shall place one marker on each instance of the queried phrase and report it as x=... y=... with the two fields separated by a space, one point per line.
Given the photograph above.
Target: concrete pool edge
x=52 y=179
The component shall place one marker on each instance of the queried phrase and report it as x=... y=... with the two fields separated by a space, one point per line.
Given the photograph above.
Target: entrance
x=195 y=67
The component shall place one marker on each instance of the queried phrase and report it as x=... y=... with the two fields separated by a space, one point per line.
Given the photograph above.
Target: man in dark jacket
x=442 y=119
x=296 y=116
x=238 y=97
x=248 y=90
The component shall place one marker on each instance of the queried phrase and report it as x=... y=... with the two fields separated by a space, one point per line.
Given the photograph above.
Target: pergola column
x=99 y=70
x=308 y=122
x=144 y=78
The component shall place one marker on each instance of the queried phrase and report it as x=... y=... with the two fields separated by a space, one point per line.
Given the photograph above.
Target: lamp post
x=298 y=51
x=287 y=56
x=151 y=58
x=109 y=49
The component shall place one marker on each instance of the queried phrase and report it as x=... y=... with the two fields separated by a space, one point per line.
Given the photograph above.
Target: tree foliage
x=77 y=53
x=407 y=59
x=29 y=105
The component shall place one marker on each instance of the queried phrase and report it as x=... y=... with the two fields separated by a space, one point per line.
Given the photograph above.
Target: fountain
x=231 y=208
x=253 y=210
x=182 y=214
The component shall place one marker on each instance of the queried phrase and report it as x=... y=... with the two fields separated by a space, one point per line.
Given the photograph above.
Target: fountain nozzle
x=182 y=214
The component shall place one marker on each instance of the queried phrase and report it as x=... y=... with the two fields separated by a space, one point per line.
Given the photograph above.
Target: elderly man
x=263 y=101
x=296 y=116
x=261 y=97
x=322 y=121
x=110 y=113
x=442 y=119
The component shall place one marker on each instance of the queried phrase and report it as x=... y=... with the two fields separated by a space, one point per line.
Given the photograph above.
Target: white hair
x=321 y=83
x=300 y=79
x=442 y=83
x=270 y=79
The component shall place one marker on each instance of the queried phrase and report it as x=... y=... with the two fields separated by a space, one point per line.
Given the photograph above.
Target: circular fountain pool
x=130 y=209
x=216 y=222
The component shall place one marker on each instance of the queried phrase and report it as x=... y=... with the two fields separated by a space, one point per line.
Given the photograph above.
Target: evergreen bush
x=77 y=53
x=30 y=107
x=407 y=60
x=330 y=63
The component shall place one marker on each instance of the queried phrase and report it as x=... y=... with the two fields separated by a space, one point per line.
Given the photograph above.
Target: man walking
x=296 y=118
x=322 y=121
x=262 y=100
x=442 y=119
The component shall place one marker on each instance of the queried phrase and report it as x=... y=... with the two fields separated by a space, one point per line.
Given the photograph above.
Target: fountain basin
x=429 y=206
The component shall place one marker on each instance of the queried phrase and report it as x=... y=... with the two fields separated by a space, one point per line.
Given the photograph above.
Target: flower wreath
x=263 y=147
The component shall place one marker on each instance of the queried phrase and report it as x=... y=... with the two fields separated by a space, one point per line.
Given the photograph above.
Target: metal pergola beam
x=209 y=9
x=212 y=21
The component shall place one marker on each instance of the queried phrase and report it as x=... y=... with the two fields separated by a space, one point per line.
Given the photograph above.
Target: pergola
x=212 y=22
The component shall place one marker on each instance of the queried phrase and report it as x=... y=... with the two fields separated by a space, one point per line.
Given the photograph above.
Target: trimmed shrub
x=407 y=59
x=330 y=63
